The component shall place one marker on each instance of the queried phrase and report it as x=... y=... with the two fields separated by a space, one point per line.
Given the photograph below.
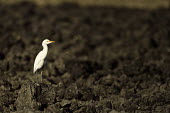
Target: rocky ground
x=104 y=60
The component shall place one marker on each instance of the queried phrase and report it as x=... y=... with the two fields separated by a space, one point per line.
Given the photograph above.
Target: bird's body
x=40 y=58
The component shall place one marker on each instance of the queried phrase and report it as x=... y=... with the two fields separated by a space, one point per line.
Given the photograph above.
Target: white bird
x=40 y=58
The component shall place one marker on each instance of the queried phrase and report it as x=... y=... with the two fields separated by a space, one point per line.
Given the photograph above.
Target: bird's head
x=46 y=41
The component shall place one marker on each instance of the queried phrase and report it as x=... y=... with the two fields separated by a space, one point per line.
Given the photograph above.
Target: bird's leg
x=37 y=77
x=41 y=76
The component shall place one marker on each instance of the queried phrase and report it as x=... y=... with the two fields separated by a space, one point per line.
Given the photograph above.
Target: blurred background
x=149 y=4
x=110 y=56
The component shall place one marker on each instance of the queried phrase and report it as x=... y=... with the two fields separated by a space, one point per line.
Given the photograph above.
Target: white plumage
x=39 y=60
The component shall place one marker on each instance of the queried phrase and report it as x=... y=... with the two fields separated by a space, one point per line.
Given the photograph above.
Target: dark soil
x=104 y=59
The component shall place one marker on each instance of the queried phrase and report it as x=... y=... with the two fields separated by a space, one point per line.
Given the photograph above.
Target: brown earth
x=104 y=59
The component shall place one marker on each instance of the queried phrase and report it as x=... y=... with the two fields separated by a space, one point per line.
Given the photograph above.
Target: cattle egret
x=40 y=58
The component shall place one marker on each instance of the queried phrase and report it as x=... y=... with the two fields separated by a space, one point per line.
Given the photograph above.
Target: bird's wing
x=38 y=63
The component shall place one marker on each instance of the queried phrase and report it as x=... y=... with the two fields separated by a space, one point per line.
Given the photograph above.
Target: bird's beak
x=51 y=41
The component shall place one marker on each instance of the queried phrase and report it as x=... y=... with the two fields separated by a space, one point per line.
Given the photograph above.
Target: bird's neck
x=45 y=49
